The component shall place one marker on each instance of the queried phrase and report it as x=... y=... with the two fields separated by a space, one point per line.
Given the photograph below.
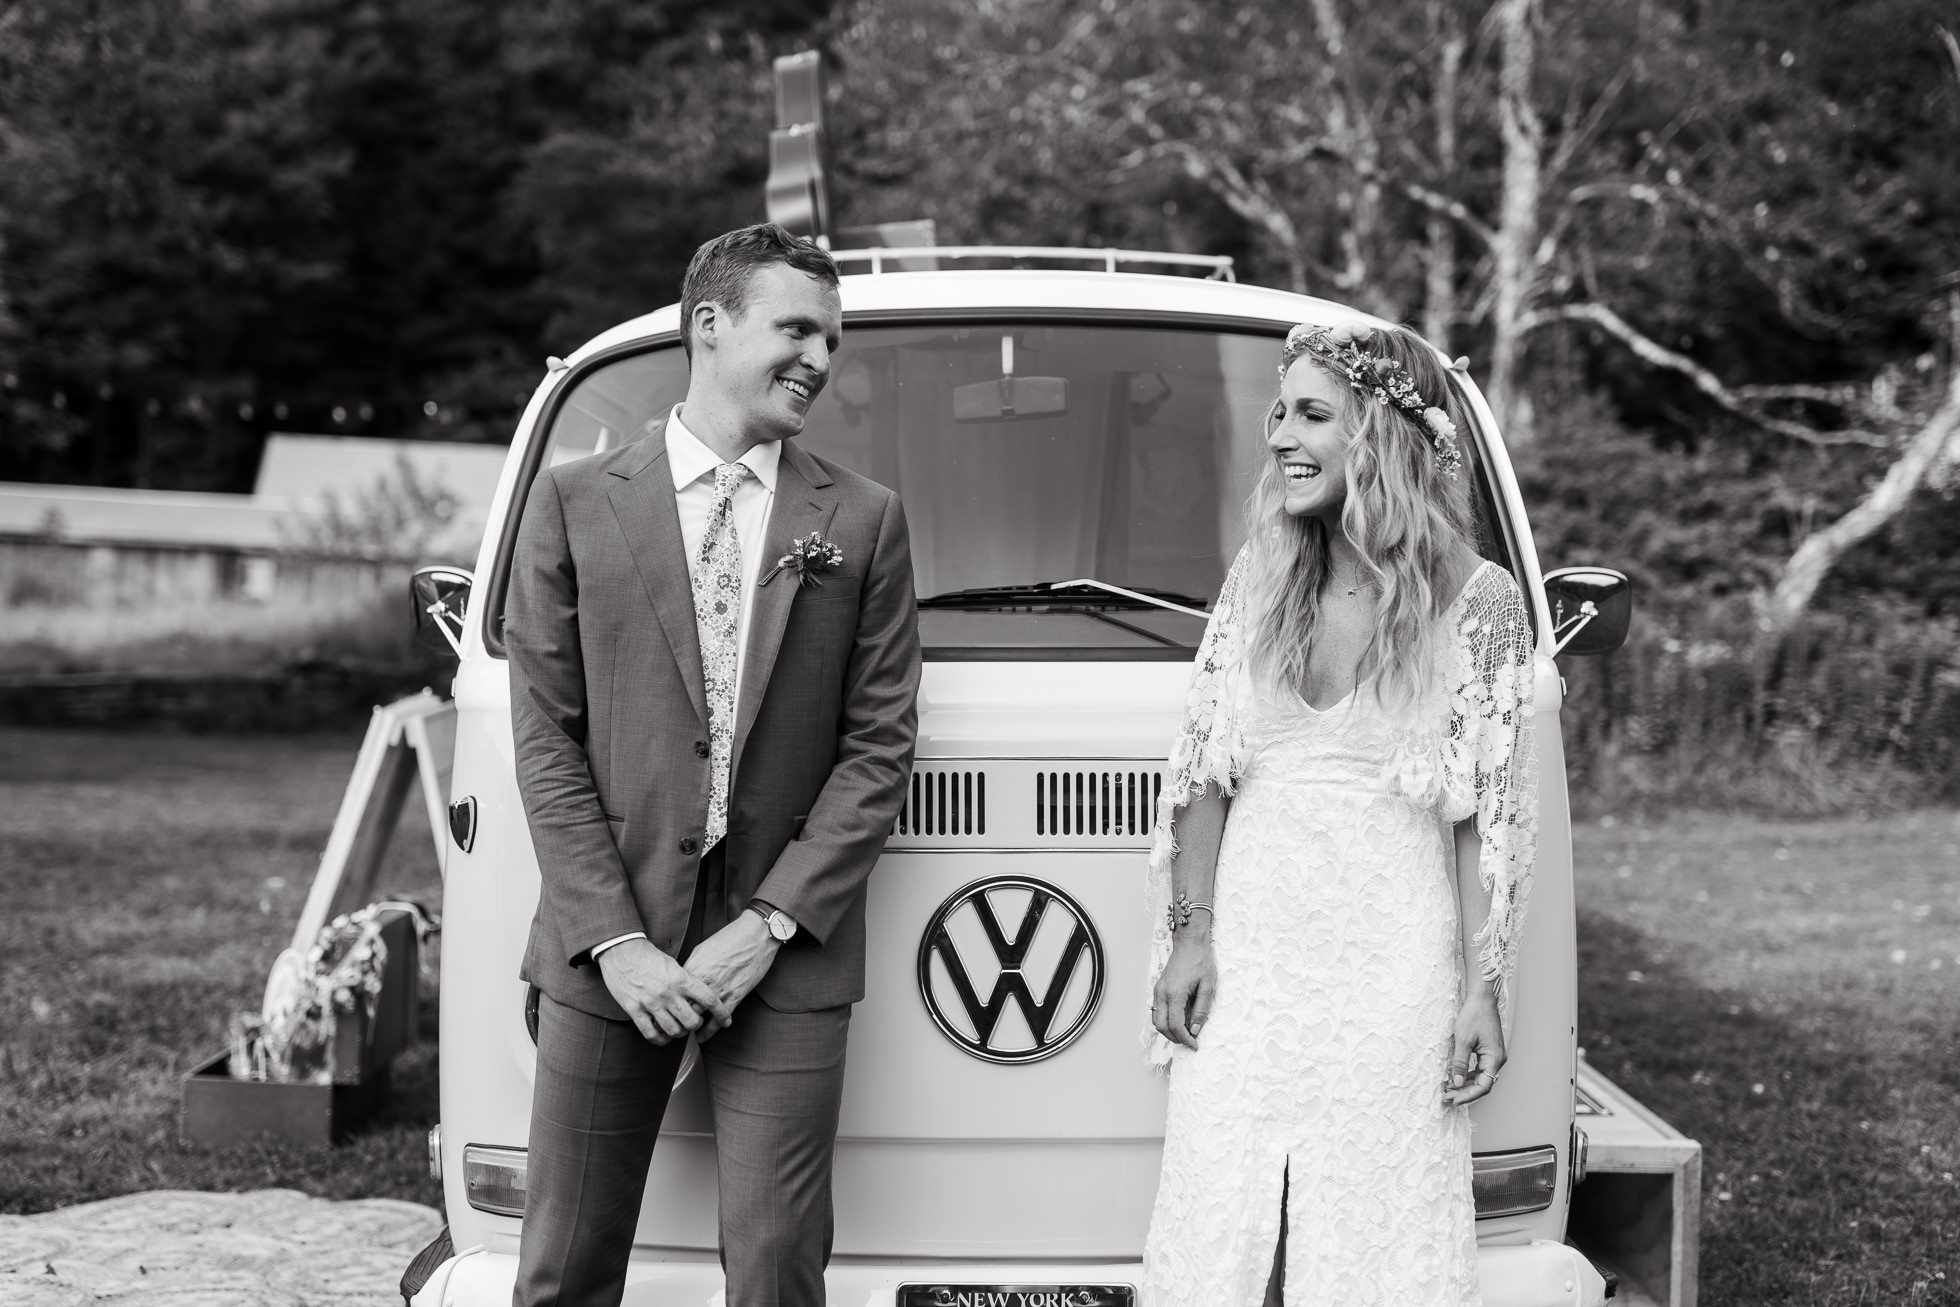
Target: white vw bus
x=1073 y=448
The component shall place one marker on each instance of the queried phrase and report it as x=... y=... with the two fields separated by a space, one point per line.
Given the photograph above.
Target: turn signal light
x=1510 y=1184
x=493 y=1178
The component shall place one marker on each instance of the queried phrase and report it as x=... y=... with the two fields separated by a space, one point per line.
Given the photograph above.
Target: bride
x=1354 y=800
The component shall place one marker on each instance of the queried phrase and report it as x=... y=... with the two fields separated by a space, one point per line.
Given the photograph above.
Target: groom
x=711 y=749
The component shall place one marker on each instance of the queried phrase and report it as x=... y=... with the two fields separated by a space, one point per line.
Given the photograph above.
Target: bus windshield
x=1025 y=454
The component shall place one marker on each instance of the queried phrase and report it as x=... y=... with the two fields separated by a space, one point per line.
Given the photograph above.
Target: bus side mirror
x=441 y=595
x=1591 y=609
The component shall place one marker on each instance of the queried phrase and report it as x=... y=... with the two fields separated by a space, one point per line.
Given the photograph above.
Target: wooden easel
x=408 y=739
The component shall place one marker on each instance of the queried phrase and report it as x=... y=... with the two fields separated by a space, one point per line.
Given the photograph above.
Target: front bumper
x=1541 y=1274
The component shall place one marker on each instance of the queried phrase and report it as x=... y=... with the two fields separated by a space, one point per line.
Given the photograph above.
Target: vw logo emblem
x=1011 y=969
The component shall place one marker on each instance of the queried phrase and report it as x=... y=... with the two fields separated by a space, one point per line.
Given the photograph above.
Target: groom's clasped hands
x=668 y=1000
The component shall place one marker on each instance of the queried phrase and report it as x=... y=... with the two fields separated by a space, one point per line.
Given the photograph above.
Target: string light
x=197 y=406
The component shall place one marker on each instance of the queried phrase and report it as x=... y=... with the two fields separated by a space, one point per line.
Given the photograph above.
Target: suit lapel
x=643 y=502
x=804 y=502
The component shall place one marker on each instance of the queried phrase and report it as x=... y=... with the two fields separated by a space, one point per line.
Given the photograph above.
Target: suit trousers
x=775 y=1084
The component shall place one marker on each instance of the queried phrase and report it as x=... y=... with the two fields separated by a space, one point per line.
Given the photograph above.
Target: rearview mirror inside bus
x=1010 y=398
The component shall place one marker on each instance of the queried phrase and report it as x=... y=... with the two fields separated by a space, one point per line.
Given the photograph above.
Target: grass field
x=1785 y=992
x=148 y=882
x=1782 y=991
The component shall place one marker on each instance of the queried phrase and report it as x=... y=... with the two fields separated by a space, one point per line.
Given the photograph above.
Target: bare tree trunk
x=1739 y=402
x=1359 y=201
x=1517 y=228
x=1439 y=283
x=1937 y=442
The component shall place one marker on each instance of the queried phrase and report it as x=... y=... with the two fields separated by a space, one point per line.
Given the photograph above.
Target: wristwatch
x=781 y=926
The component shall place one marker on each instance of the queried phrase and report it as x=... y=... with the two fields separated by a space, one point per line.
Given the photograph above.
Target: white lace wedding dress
x=1320 y=1071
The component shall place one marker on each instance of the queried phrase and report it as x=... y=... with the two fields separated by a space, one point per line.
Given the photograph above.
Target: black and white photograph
x=979 y=653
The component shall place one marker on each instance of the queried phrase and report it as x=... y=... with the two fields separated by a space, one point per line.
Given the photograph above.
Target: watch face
x=781 y=926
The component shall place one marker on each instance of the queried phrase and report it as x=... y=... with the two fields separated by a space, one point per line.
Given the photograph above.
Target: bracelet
x=1179 y=912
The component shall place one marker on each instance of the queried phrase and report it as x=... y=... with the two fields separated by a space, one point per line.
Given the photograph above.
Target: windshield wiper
x=1077 y=592
x=1176 y=603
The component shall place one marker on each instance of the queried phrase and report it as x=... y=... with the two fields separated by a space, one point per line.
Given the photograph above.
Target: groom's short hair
x=721 y=268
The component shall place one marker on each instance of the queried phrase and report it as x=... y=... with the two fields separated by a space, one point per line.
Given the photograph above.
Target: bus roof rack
x=1220 y=265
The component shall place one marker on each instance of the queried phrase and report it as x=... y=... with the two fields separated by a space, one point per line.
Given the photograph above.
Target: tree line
x=225 y=217
x=1721 y=237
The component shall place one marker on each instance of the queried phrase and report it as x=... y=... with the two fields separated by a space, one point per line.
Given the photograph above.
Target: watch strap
x=770 y=915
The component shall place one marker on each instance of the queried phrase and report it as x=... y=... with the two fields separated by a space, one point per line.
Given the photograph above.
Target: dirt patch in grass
x=149 y=881
x=1784 y=992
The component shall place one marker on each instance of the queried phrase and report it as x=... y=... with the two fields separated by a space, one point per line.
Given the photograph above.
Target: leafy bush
x=1842 y=713
x=1857 y=706
x=397 y=518
x=217 y=638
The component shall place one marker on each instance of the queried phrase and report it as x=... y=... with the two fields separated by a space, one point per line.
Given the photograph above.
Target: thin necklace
x=1351 y=590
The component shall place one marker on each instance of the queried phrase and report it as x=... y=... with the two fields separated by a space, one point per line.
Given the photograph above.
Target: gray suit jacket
x=611 y=720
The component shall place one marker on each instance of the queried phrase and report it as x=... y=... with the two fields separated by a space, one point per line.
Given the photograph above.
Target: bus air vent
x=944 y=802
x=1113 y=803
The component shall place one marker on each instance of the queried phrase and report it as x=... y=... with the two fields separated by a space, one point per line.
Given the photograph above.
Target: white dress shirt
x=693 y=465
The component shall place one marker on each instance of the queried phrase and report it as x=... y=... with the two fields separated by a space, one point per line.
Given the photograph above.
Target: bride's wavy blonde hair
x=1404 y=515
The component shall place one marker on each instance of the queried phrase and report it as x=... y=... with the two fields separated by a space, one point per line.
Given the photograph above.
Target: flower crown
x=1384 y=378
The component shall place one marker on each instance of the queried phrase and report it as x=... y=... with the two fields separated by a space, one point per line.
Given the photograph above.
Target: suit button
x=700 y=748
x=689 y=844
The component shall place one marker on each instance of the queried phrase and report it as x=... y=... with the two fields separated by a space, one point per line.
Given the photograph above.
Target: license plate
x=1016 y=1295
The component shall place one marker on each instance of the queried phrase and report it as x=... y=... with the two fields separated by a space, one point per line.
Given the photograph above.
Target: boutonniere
x=807 y=556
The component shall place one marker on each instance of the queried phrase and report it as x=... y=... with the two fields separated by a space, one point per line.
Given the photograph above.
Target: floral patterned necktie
x=717 y=607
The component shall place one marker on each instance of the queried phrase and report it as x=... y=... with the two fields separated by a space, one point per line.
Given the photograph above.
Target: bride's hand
x=1182 y=1000
x=1476 y=1049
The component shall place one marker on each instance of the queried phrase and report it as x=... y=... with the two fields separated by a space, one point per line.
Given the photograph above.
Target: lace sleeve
x=1490 y=764
x=1210 y=749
